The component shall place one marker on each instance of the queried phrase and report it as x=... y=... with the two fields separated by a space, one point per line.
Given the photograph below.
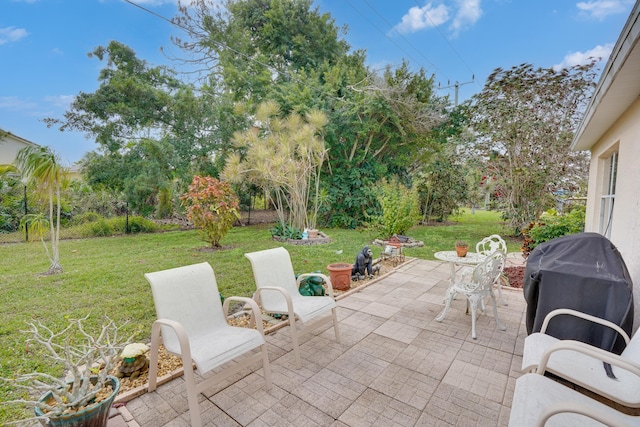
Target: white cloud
x=578 y=58
x=60 y=101
x=419 y=18
x=469 y=11
x=600 y=9
x=12 y=34
x=15 y=103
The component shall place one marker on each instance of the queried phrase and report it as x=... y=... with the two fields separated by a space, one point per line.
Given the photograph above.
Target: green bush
x=86 y=217
x=399 y=209
x=552 y=225
x=100 y=228
x=286 y=231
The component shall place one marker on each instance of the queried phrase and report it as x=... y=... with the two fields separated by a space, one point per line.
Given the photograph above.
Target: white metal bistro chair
x=486 y=247
x=277 y=291
x=193 y=324
x=476 y=286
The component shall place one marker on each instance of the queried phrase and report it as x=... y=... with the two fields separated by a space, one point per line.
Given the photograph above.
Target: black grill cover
x=584 y=272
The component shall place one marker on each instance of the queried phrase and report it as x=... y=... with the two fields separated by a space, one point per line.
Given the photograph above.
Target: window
x=608 y=194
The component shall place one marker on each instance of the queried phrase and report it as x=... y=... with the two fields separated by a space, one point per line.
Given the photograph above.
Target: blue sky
x=44 y=45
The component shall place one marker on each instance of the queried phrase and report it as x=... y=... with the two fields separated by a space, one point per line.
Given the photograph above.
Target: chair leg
x=192 y=393
x=334 y=313
x=294 y=340
x=447 y=305
x=153 y=356
x=495 y=313
x=503 y=279
x=266 y=367
x=474 y=309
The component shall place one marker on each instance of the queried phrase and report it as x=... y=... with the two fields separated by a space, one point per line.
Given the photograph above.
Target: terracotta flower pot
x=462 y=251
x=340 y=275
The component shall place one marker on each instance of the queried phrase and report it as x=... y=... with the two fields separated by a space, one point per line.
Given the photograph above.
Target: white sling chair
x=277 y=291
x=542 y=401
x=582 y=364
x=486 y=247
x=193 y=324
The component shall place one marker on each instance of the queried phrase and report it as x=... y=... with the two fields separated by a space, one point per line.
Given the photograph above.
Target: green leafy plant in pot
x=84 y=396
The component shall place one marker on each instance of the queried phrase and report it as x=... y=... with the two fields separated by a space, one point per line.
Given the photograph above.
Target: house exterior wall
x=623 y=135
x=9 y=147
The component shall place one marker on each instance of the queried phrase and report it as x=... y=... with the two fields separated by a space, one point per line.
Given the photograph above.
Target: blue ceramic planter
x=93 y=416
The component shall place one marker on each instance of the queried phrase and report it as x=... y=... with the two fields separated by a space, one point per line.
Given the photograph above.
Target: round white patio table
x=472 y=258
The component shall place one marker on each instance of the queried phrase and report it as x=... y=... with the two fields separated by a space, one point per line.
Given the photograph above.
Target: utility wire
x=384 y=34
x=445 y=39
x=227 y=47
x=401 y=35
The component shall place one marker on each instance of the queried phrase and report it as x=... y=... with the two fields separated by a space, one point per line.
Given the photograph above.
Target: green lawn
x=104 y=276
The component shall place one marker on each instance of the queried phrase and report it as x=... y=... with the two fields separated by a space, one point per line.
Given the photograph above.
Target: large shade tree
x=524 y=120
x=150 y=127
x=287 y=51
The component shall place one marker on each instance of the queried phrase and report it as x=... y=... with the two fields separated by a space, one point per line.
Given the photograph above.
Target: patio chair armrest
x=322 y=276
x=589 y=350
x=181 y=333
x=284 y=293
x=585 y=316
x=576 y=408
x=255 y=310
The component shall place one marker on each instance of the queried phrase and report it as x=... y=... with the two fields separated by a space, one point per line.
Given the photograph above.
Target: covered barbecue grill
x=584 y=272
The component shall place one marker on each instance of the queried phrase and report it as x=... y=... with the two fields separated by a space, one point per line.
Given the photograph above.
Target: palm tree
x=41 y=165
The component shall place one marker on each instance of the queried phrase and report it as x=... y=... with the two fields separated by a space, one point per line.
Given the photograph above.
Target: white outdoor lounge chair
x=476 y=287
x=193 y=324
x=581 y=363
x=486 y=247
x=278 y=292
x=542 y=401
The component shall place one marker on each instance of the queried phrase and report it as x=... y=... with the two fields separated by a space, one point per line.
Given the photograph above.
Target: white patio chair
x=486 y=247
x=278 y=292
x=193 y=324
x=542 y=401
x=581 y=363
x=476 y=287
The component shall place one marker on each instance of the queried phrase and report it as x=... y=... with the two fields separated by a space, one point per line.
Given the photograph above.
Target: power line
x=227 y=47
x=405 y=39
x=445 y=39
x=384 y=34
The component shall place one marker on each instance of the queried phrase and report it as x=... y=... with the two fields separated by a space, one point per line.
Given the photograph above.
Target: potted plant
x=85 y=395
x=462 y=248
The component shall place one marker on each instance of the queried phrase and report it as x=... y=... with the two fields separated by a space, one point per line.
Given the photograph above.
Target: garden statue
x=134 y=361
x=363 y=266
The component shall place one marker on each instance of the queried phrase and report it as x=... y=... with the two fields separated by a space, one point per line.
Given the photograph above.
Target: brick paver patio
x=395 y=366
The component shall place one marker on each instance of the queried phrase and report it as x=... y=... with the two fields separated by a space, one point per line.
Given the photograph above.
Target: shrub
x=285 y=231
x=399 y=209
x=86 y=217
x=212 y=206
x=100 y=228
x=551 y=225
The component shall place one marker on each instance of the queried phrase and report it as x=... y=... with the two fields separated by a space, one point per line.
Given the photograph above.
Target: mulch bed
x=515 y=276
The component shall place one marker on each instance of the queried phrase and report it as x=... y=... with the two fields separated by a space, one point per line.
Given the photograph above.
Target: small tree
x=212 y=206
x=284 y=157
x=42 y=166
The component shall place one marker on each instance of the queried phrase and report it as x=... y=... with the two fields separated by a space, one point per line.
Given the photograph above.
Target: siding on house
x=10 y=144
x=612 y=124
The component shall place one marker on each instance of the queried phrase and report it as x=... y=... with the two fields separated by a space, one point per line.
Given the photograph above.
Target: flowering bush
x=212 y=206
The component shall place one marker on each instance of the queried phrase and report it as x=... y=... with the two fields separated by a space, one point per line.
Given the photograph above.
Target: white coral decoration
x=131 y=351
